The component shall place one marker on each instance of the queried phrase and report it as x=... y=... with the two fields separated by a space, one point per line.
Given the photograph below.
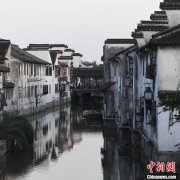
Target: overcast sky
x=81 y=24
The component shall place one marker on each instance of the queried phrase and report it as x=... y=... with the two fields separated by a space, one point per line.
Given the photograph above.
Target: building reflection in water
x=55 y=132
x=123 y=160
x=58 y=131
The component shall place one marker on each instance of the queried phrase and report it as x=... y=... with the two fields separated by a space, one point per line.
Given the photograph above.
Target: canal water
x=66 y=147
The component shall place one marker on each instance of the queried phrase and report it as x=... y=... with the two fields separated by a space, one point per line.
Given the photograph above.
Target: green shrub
x=18 y=130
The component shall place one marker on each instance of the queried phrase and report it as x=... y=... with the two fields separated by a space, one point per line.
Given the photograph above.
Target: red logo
x=162 y=167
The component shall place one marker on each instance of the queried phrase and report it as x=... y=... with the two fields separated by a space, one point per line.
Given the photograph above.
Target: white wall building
x=140 y=78
x=25 y=85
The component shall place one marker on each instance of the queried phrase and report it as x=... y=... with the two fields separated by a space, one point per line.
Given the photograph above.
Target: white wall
x=168 y=69
x=168 y=65
x=76 y=61
x=168 y=136
x=173 y=17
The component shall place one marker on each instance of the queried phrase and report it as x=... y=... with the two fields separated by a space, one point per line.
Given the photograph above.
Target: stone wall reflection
x=122 y=159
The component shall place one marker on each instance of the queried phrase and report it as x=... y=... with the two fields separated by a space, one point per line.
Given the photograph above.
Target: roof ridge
x=21 y=54
x=166 y=31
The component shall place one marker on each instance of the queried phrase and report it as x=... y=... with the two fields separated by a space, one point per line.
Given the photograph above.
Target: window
x=31 y=69
x=27 y=69
x=24 y=91
x=32 y=91
x=57 y=71
x=36 y=69
x=24 y=68
x=45 y=89
x=56 y=88
x=19 y=69
x=64 y=71
x=40 y=70
x=29 y=91
x=48 y=71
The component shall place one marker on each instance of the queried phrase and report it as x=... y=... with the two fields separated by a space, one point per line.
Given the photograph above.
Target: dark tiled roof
x=168 y=37
x=77 y=54
x=154 y=22
x=53 y=55
x=160 y=12
x=88 y=72
x=43 y=46
x=37 y=46
x=127 y=50
x=158 y=15
x=120 y=41
x=86 y=63
x=69 y=50
x=25 y=56
x=169 y=30
x=65 y=58
x=170 y=5
x=4 y=45
x=59 y=45
x=152 y=27
x=137 y=34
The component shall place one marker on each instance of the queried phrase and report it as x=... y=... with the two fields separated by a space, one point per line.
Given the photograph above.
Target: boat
x=92 y=114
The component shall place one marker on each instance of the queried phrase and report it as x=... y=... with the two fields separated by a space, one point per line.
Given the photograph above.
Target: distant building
x=26 y=85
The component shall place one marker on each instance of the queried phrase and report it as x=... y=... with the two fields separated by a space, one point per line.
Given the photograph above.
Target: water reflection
x=56 y=134
x=68 y=147
x=119 y=162
x=123 y=160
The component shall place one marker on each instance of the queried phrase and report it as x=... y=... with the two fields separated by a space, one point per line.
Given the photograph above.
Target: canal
x=68 y=147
